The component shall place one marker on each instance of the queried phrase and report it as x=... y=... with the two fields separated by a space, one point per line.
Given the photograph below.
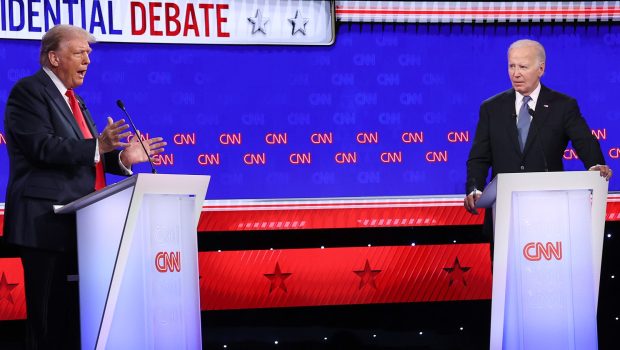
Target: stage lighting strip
x=476 y=12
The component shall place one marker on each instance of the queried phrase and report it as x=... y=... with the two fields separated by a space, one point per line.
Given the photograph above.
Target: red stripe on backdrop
x=282 y=219
x=363 y=215
x=12 y=292
x=344 y=276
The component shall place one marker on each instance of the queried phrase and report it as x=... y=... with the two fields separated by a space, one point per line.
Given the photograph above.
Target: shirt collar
x=533 y=95
x=59 y=85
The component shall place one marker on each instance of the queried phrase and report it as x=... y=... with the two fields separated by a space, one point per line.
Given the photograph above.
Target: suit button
x=522 y=167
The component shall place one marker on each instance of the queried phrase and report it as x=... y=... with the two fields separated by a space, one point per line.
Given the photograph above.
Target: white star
x=299 y=23
x=258 y=22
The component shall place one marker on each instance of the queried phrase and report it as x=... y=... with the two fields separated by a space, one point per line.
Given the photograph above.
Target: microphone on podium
x=121 y=105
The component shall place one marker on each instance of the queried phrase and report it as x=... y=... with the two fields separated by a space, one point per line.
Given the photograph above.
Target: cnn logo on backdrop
x=536 y=251
x=168 y=261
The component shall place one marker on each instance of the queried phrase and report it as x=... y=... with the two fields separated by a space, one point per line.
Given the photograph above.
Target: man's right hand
x=470 y=201
x=110 y=138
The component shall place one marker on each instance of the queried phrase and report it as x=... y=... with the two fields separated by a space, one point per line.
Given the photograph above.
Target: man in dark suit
x=527 y=128
x=56 y=156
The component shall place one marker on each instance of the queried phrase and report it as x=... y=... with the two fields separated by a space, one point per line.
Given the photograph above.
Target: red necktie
x=81 y=122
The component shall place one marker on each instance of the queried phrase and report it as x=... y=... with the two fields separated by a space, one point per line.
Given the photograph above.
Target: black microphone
x=82 y=105
x=533 y=114
x=121 y=105
x=530 y=111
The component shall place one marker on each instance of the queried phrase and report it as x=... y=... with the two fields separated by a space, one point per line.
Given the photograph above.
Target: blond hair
x=54 y=37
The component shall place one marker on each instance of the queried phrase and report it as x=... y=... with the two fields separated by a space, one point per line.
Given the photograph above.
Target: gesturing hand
x=110 y=138
x=133 y=152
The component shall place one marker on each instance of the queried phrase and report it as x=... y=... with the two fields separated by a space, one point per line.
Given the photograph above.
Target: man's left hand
x=133 y=152
x=603 y=169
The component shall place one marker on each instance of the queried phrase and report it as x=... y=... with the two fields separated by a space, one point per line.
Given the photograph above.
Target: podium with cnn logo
x=138 y=263
x=549 y=230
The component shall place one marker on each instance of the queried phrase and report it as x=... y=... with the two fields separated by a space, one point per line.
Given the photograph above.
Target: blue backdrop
x=425 y=81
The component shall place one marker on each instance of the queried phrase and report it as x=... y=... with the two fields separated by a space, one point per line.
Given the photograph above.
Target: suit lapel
x=540 y=116
x=511 y=119
x=87 y=117
x=59 y=101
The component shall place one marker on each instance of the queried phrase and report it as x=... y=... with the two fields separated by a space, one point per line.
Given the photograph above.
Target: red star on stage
x=6 y=288
x=457 y=272
x=367 y=276
x=277 y=279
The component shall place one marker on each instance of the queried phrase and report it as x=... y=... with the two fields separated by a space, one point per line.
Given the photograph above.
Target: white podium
x=549 y=230
x=138 y=263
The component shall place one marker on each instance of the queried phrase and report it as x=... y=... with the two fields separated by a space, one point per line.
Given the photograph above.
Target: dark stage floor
x=443 y=325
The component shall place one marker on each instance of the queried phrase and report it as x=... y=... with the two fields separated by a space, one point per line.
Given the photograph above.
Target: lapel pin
x=546 y=106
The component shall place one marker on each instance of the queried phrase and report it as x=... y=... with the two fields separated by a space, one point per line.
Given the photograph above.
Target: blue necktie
x=523 y=123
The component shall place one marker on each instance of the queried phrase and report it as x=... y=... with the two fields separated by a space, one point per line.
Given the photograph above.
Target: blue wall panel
x=381 y=80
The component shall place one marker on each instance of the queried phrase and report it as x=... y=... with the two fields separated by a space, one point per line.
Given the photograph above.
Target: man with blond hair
x=56 y=156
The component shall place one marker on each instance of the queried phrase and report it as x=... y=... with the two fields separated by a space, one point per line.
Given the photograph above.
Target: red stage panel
x=613 y=208
x=287 y=219
x=12 y=292
x=315 y=277
x=343 y=276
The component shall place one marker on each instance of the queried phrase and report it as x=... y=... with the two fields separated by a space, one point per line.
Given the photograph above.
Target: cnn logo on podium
x=536 y=251
x=168 y=261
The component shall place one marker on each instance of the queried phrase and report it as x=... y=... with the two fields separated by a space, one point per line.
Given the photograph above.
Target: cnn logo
x=535 y=251
x=168 y=262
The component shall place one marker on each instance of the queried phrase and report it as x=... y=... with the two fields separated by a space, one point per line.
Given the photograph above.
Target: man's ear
x=541 y=69
x=53 y=58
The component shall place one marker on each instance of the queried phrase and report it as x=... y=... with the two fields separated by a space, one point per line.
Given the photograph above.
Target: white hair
x=540 y=50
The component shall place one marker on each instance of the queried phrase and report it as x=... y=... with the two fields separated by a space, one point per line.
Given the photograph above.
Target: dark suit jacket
x=556 y=121
x=50 y=163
